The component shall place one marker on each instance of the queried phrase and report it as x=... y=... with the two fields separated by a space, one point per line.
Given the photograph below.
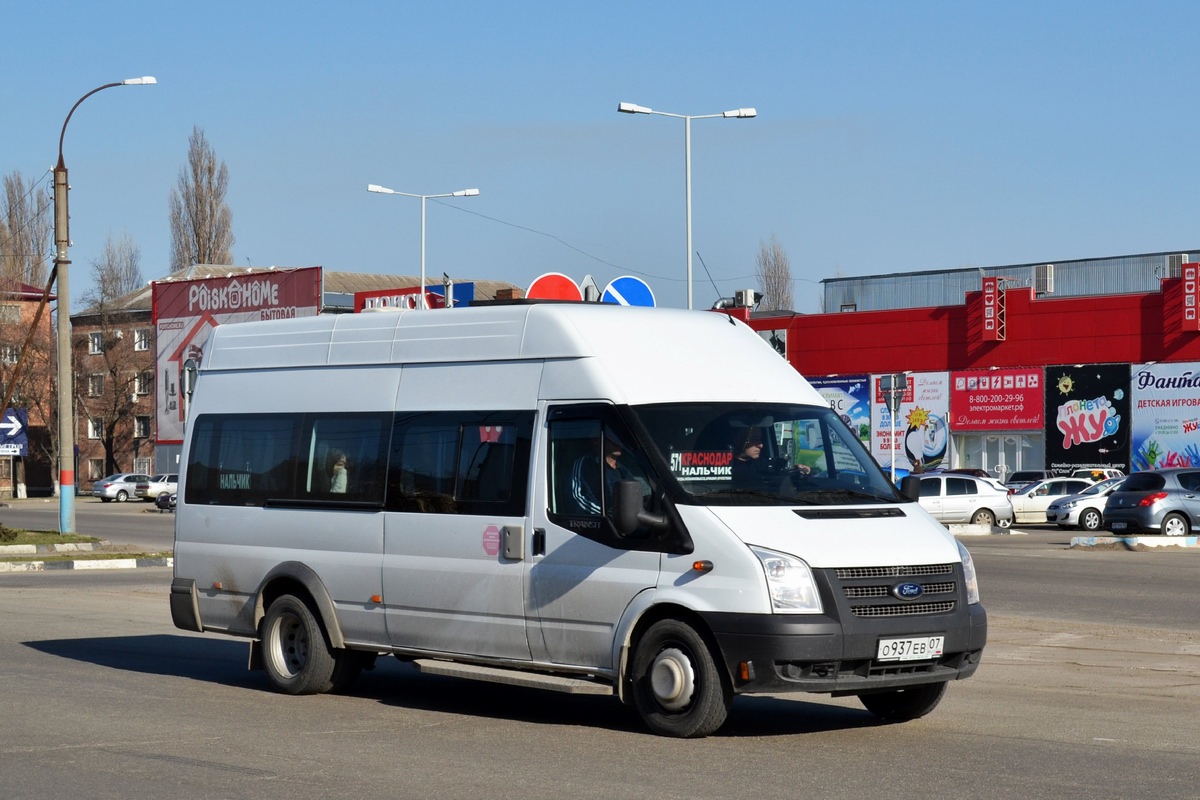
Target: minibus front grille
x=861 y=592
x=903 y=610
x=855 y=573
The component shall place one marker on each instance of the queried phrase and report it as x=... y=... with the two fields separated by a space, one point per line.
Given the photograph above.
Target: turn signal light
x=702 y=566
x=376 y=599
x=1151 y=499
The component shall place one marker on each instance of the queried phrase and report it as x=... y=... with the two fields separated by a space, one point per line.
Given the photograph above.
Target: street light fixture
x=374 y=187
x=62 y=241
x=737 y=113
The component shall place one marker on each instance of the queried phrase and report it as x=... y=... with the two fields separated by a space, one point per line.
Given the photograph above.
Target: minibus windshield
x=764 y=454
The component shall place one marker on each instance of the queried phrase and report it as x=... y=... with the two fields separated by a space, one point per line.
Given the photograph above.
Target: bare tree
x=201 y=222
x=107 y=386
x=774 y=274
x=25 y=223
x=118 y=272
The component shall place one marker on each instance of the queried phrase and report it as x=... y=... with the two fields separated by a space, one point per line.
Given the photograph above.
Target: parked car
x=1097 y=474
x=1030 y=503
x=165 y=501
x=965 y=499
x=159 y=485
x=1084 y=510
x=119 y=487
x=1165 y=501
x=1024 y=477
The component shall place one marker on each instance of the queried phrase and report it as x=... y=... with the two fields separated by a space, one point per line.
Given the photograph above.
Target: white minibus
x=645 y=503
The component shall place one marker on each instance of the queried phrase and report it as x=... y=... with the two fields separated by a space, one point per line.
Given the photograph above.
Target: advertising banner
x=1166 y=415
x=921 y=436
x=461 y=294
x=850 y=398
x=1191 y=296
x=185 y=313
x=1087 y=417
x=993 y=311
x=997 y=400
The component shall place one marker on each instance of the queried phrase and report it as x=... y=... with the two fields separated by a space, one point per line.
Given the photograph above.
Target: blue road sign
x=628 y=291
x=14 y=432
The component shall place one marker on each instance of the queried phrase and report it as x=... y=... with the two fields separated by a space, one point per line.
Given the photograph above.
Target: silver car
x=1165 y=501
x=965 y=499
x=119 y=487
x=1084 y=510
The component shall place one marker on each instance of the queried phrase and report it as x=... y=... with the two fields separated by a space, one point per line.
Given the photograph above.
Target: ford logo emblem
x=908 y=591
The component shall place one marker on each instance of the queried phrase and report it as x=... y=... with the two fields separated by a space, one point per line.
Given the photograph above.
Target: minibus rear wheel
x=295 y=653
x=677 y=686
x=902 y=705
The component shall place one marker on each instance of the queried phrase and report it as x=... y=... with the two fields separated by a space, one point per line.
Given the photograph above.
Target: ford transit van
x=644 y=503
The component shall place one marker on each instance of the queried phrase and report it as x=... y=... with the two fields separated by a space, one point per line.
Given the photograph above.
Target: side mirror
x=628 y=514
x=910 y=487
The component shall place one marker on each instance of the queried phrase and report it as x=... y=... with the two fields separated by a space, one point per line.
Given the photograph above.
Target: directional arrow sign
x=14 y=440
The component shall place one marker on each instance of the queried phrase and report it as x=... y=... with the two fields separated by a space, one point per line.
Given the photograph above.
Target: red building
x=1083 y=367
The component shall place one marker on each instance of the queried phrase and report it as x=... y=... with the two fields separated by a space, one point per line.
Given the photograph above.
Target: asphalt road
x=133 y=522
x=1090 y=688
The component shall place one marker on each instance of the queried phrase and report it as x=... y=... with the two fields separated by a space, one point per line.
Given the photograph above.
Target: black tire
x=678 y=687
x=122 y=496
x=296 y=655
x=1091 y=519
x=983 y=516
x=901 y=705
x=1175 y=525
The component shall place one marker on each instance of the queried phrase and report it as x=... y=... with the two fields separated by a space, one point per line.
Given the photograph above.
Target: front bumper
x=815 y=654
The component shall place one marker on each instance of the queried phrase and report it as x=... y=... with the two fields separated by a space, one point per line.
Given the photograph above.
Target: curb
x=1134 y=541
x=93 y=564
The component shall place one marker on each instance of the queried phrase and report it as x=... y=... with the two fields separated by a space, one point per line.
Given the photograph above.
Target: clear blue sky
x=891 y=136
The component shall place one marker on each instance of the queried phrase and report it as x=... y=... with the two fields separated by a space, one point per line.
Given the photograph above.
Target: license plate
x=913 y=649
x=1119 y=526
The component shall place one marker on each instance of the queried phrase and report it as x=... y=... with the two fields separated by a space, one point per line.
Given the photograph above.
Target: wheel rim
x=1091 y=520
x=1174 y=526
x=121 y=497
x=984 y=518
x=672 y=679
x=289 y=645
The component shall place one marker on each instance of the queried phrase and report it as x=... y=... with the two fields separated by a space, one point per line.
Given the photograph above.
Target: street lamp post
x=62 y=241
x=374 y=187
x=737 y=113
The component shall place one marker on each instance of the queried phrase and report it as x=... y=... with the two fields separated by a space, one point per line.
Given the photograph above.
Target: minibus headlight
x=969 y=574
x=790 y=582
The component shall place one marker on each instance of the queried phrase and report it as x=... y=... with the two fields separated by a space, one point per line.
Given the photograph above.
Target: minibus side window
x=262 y=459
x=460 y=462
x=242 y=459
x=346 y=457
x=587 y=459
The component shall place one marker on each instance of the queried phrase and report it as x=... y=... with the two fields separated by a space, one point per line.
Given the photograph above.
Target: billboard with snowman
x=920 y=437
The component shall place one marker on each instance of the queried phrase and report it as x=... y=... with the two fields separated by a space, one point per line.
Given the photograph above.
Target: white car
x=1084 y=510
x=1030 y=504
x=965 y=499
x=151 y=488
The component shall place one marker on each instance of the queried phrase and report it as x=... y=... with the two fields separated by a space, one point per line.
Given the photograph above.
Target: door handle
x=539 y=541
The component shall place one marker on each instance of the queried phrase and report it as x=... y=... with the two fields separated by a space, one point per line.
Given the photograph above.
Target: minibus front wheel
x=677 y=686
x=296 y=656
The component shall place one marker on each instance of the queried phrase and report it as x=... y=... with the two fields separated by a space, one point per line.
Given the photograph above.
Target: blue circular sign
x=628 y=291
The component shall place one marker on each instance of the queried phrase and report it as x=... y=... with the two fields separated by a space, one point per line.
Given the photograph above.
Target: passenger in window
x=338 y=474
x=588 y=470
